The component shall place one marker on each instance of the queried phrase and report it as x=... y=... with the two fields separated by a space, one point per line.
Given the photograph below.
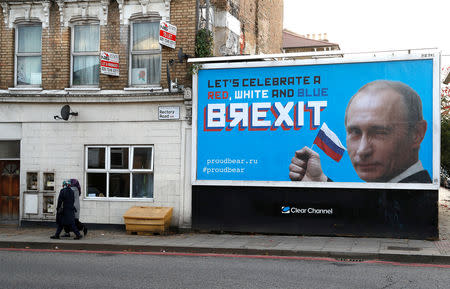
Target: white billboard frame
x=253 y=62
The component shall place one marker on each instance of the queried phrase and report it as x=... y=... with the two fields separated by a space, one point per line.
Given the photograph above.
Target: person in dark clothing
x=66 y=211
x=76 y=188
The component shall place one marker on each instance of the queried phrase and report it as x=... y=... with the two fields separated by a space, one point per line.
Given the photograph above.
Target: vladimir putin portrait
x=384 y=129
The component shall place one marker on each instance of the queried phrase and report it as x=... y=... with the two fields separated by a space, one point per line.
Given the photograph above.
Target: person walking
x=66 y=211
x=76 y=188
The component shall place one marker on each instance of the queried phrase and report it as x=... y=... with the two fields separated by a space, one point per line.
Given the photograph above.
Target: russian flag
x=329 y=143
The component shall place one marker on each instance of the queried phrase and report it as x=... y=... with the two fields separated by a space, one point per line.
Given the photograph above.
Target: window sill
x=143 y=89
x=25 y=89
x=82 y=89
x=112 y=199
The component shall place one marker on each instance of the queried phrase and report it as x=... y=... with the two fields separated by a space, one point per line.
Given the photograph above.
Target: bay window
x=85 y=55
x=119 y=171
x=145 y=54
x=28 y=55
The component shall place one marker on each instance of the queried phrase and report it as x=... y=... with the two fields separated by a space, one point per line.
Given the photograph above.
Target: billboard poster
x=331 y=122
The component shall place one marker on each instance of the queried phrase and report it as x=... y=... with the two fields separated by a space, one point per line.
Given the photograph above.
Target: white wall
x=58 y=146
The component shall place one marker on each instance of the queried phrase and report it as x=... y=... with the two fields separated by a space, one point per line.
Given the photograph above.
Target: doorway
x=9 y=182
x=9 y=191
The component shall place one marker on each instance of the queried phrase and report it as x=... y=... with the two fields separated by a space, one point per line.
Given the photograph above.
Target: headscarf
x=75 y=183
x=66 y=183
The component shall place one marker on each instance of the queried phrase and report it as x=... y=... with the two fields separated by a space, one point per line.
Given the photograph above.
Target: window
x=145 y=54
x=85 y=55
x=28 y=55
x=119 y=171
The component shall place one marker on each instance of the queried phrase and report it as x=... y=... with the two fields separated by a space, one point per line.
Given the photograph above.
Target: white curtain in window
x=152 y=65
x=86 y=38
x=146 y=36
x=29 y=39
x=86 y=70
x=28 y=70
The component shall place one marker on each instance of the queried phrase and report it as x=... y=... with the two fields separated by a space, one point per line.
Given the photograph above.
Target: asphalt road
x=25 y=269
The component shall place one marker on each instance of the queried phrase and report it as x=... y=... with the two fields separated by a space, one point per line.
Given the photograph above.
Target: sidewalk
x=353 y=249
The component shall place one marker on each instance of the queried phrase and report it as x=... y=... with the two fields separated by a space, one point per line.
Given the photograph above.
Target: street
x=53 y=269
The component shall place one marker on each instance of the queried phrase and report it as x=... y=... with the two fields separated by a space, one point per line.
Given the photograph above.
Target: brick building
x=126 y=138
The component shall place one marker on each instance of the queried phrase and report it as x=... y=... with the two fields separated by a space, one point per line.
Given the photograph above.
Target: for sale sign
x=167 y=34
x=109 y=63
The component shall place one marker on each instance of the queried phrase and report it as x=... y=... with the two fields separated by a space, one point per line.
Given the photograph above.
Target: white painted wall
x=58 y=146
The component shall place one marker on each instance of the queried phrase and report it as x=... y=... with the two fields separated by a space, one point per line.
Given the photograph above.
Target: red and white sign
x=167 y=34
x=109 y=63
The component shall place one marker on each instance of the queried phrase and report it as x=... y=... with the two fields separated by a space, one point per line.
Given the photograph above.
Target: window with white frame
x=85 y=55
x=145 y=54
x=28 y=55
x=119 y=171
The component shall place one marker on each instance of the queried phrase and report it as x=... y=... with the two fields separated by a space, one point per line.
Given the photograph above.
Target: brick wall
x=248 y=26
x=114 y=38
x=55 y=53
x=6 y=54
x=182 y=15
x=262 y=23
x=270 y=26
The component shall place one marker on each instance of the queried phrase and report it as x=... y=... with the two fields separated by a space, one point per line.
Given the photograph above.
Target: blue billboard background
x=264 y=153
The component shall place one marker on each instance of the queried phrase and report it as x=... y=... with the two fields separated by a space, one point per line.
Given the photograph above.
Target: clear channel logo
x=304 y=211
x=285 y=210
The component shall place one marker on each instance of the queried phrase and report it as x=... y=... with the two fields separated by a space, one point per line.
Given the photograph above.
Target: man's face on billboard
x=378 y=141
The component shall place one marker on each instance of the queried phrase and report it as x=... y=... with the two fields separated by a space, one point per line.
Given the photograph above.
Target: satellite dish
x=65 y=113
x=182 y=56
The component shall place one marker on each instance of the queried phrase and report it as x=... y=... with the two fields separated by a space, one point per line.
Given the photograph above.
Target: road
x=48 y=269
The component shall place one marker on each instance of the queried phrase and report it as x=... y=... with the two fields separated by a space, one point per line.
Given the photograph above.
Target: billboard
x=325 y=122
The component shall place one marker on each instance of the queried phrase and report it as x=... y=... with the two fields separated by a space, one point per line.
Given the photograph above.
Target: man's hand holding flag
x=305 y=165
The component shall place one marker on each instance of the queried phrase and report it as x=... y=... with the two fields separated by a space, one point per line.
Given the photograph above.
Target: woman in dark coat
x=76 y=188
x=66 y=211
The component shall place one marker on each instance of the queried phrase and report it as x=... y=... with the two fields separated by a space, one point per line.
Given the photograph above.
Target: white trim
x=24 y=89
x=194 y=127
x=82 y=89
x=318 y=54
x=143 y=89
x=108 y=170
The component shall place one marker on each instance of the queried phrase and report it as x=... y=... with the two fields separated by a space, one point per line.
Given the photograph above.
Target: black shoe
x=78 y=237
x=85 y=231
x=54 y=237
x=66 y=235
